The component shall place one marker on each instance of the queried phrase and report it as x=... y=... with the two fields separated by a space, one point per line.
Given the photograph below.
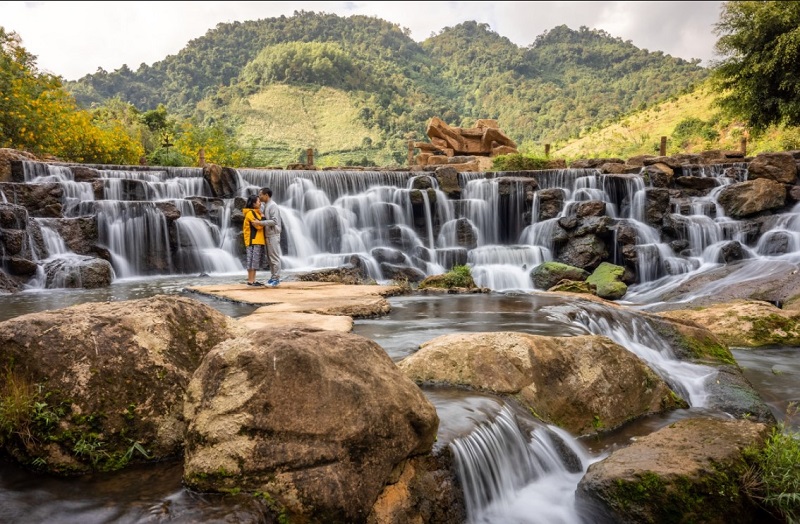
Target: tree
x=759 y=77
x=38 y=115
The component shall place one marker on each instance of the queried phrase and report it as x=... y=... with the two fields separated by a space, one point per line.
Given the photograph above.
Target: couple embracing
x=262 y=230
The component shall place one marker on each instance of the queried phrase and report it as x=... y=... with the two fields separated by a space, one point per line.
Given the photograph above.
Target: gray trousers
x=274 y=256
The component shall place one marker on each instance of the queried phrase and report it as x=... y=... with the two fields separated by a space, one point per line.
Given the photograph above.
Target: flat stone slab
x=315 y=298
x=265 y=318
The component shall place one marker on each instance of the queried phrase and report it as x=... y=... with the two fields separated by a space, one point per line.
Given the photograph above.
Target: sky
x=73 y=39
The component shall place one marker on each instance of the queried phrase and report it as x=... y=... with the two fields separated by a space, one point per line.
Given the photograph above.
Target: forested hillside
x=260 y=78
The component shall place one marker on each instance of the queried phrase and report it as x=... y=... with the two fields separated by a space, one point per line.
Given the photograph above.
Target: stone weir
x=69 y=225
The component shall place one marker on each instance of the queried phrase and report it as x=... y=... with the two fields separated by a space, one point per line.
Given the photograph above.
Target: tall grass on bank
x=774 y=479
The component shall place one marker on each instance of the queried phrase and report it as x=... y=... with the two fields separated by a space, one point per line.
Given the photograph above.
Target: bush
x=519 y=162
x=459 y=276
x=692 y=128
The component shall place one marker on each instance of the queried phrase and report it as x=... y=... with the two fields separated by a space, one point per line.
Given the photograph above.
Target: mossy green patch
x=679 y=498
x=608 y=279
x=774 y=329
x=458 y=277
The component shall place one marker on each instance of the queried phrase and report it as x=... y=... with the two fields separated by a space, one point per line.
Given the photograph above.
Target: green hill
x=691 y=122
x=250 y=75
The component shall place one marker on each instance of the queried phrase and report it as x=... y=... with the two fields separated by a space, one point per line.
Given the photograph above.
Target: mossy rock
x=573 y=286
x=457 y=278
x=549 y=274
x=608 y=279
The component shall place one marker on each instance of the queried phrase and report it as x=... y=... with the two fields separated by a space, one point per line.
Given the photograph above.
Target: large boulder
x=746 y=323
x=316 y=420
x=584 y=384
x=586 y=252
x=689 y=471
x=551 y=202
x=780 y=167
x=425 y=490
x=748 y=198
x=100 y=384
x=78 y=272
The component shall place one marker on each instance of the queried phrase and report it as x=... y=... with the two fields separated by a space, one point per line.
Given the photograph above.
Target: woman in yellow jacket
x=254 y=238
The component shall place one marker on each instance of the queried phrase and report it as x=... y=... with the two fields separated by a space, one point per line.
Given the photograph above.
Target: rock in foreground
x=316 y=420
x=91 y=387
x=583 y=384
x=689 y=471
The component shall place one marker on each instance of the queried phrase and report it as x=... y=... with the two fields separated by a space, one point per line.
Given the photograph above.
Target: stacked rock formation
x=455 y=145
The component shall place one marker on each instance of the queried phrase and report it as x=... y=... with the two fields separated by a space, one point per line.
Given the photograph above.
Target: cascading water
x=393 y=221
x=132 y=220
x=512 y=475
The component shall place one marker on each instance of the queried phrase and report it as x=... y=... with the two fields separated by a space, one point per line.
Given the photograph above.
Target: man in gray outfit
x=272 y=230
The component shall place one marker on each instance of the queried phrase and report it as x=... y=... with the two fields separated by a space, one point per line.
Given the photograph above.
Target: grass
x=640 y=132
x=459 y=276
x=774 y=479
x=17 y=397
x=285 y=120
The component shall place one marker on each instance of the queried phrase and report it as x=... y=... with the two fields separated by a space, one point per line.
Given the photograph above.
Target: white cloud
x=72 y=39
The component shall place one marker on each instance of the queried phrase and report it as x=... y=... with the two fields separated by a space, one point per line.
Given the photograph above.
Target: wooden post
x=663 y=150
x=310 y=156
x=743 y=145
x=410 y=152
x=547 y=150
x=201 y=155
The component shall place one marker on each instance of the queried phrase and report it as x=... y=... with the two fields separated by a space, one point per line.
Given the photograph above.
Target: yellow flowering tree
x=38 y=115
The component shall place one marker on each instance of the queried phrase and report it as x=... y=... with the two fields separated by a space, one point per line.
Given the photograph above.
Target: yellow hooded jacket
x=252 y=233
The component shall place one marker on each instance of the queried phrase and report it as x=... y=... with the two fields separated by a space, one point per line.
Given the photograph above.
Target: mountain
x=354 y=87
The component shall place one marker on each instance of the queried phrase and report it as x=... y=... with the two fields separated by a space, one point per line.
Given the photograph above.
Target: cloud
x=73 y=39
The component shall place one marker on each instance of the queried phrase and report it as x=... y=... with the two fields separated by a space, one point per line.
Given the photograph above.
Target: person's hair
x=266 y=191
x=251 y=201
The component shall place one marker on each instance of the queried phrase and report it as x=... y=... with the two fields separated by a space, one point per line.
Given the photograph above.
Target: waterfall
x=500 y=226
x=512 y=475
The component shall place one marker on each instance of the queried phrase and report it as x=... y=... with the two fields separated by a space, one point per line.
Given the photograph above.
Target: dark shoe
x=257 y=284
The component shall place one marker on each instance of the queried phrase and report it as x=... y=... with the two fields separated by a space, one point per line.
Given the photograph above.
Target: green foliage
x=775 y=477
x=38 y=115
x=324 y=64
x=519 y=162
x=459 y=276
x=565 y=83
x=693 y=128
x=759 y=76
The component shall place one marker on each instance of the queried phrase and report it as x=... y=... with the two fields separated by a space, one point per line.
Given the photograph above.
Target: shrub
x=458 y=276
x=519 y=162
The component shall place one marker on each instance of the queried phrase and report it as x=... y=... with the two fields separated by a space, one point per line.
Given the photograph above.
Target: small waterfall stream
x=514 y=475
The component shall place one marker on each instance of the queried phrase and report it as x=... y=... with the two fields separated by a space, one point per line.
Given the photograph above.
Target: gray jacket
x=272 y=218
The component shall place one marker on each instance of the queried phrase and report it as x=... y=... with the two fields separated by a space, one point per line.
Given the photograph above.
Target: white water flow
x=708 y=232
x=631 y=331
x=502 y=226
x=131 y=208
x=513 y=475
